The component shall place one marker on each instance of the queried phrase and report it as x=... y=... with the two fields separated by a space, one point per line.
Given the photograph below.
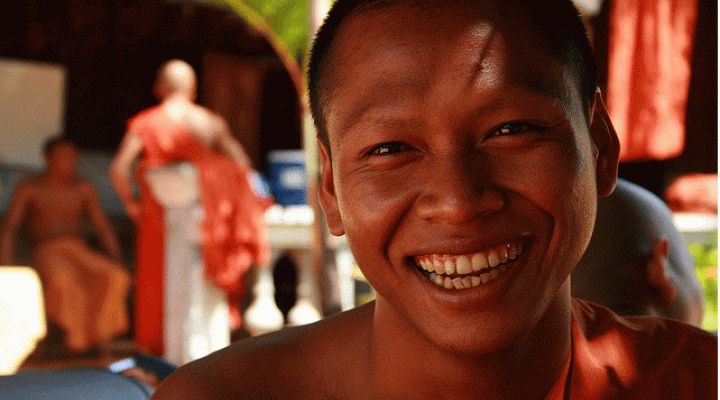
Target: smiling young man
x=464 y=147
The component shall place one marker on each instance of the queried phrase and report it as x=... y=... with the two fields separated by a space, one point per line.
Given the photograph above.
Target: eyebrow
x=387 y=95
x=384 y=92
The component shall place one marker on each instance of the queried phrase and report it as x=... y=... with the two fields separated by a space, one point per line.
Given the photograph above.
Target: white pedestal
x=196 y=315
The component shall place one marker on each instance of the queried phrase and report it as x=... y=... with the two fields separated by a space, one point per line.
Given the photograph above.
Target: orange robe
x=636 y=358
x=650 y=45
x=85 y=292
x=234 y=235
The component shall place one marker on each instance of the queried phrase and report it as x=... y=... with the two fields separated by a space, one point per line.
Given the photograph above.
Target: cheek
x=371 y=208
x=558 y=181
x=373 y=202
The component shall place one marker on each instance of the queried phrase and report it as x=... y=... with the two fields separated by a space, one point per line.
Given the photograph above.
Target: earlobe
x=327 y=195
x=607 y=146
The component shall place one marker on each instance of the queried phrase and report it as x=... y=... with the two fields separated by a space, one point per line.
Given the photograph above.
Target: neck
x=178 y=97
x=55 y=180
x=405 y=364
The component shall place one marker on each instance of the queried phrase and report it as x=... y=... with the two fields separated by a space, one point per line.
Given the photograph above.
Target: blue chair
x=154 y=365
x=84 y=383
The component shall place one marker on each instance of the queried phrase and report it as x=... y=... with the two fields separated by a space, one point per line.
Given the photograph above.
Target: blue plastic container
x=287 y=176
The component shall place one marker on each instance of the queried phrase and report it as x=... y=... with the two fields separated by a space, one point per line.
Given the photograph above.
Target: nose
x=458 y=189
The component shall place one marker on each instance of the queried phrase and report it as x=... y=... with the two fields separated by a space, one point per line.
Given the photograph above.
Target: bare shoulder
x=27 y=186
x=311 y=361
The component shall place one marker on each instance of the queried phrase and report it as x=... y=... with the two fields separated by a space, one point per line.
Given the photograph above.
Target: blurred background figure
x=233 y=231
x=637 y=263
x=85 y=291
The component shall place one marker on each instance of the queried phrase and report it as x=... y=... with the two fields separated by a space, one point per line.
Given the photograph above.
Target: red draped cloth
x=635 y=358
x=234 y=234
x=650 y=47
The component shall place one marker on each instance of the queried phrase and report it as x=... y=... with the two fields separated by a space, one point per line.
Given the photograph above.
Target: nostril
x=459 y=204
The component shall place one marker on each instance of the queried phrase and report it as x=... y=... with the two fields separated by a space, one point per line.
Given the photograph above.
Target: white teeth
x=463 y=265
x=457 y=282
x=493 y=263
x=479 y=261
x=466 y=282
x=493 y=258
x=512 y=253
x=449 y=267
x=503 y=253
x=439 y=266
x=485 y=278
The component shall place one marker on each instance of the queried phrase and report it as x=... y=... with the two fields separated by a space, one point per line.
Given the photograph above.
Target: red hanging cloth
x=650 y=45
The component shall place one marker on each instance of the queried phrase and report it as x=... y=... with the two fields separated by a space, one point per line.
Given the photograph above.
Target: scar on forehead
x=485 y=45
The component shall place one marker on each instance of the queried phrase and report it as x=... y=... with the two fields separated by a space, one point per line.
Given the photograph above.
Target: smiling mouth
x=468 y=270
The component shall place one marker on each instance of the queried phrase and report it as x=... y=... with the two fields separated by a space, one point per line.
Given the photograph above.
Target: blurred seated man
x=637 y=262
x=85 y=291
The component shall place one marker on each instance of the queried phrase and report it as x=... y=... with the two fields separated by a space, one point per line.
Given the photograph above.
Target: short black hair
x=556 y=21
x=54 y=142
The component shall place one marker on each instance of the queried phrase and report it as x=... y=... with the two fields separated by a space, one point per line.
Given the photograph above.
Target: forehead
x=380 y=53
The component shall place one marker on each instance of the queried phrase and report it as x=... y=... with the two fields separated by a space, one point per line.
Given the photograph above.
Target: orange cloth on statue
x=693 y=193
x=650 y=44
x=634 y=358
x=85 y=292
x=234 y=234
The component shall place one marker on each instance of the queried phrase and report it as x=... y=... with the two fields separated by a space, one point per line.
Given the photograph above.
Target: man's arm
x=100 y=221
x=120 y=171
x=16 y=212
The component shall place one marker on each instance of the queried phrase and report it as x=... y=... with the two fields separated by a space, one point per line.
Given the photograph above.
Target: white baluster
x=263 y=315
x=196 y=315
x=304 y=311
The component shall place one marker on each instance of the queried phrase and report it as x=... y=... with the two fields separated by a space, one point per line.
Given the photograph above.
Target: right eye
x=388 y=148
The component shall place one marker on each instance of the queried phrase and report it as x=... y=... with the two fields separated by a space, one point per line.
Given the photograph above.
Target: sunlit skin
x=55 y=204
x=420 y=158
x=443 y=142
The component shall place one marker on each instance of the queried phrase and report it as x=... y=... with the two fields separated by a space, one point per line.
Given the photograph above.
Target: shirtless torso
x=55 y=210
x=87 y=289
x=52 y=209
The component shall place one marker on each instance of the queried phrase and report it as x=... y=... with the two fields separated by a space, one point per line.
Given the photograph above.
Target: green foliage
x=288 y=19
x=706 y=259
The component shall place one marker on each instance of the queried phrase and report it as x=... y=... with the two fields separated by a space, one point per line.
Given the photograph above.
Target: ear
x=327 y=195
x=656 y=272
x=606 y=147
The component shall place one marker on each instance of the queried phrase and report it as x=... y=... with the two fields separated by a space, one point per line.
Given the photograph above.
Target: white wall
x=32 y=108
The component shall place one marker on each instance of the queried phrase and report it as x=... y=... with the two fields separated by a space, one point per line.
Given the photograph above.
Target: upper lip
x=458 y=247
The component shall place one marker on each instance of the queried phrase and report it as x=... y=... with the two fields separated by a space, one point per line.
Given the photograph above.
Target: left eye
x=513 y=128
x=388 y=148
